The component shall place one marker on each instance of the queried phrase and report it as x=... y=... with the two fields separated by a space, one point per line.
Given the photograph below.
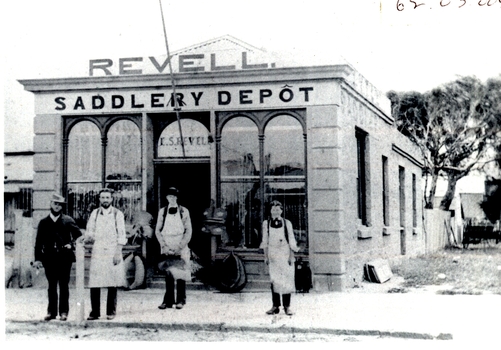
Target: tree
x=452 y=125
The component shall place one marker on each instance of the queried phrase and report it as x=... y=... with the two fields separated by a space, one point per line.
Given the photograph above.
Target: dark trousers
x=58 y=273
x=170 y=283
x=95 y=301
x=286 y=299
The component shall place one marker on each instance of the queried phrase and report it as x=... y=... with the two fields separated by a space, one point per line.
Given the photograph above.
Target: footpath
x=414 y=315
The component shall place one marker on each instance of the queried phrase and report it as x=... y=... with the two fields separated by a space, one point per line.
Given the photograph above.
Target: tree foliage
x=453 y=125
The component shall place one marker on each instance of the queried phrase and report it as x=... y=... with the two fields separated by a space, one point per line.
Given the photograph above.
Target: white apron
x=281 y=273
x=172 y=233
x=102 y=271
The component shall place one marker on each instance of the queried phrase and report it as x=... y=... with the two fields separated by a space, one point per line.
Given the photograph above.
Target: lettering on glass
x=195 y=137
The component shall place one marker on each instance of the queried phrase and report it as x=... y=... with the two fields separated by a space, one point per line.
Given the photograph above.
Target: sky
x=393 y=44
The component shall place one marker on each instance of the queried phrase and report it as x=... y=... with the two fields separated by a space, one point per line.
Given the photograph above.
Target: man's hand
x=87 y=239
x=37 y=265
x=291 y=257
x=172 y=252
x=117 y=257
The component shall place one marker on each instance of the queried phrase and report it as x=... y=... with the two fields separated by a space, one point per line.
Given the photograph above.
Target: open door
x=193 y=182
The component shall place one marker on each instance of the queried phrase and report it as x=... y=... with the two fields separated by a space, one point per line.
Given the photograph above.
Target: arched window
x=240 y=170
x=284 y=147
x=84 y=170
x=239 y=149
x=123 y=166
x=284 y=178
x=123 y=151
x=249 y=182
x=87 y=172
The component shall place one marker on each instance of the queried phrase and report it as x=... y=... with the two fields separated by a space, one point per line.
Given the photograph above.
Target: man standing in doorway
x=173 y=231
x=106 y=229
x=54 y=245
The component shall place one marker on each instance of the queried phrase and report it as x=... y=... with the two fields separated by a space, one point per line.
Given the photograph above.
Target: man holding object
x=54 y=246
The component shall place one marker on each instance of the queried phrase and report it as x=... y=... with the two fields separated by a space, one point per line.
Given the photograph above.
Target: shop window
x=240 y=149
x=95 y=161
x=283 y=148
x=292 y=196
x=123 y=166
x=84 y=172
x=249 y=181
x=240 y=170
x=84 y=160
x=284 y=178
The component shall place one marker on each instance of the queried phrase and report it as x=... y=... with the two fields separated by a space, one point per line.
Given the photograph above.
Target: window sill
x=415 y=231
x=363 y=232
x=386 y=231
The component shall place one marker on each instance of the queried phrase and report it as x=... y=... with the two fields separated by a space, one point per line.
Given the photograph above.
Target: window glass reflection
x=123 y=167
x=292 y=195
x=123 y=151
x=284 y=147
x=240 y=148
x=242 y=203
x=84 y=153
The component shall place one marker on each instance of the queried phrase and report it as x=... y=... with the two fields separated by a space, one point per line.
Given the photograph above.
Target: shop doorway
x=193 y=182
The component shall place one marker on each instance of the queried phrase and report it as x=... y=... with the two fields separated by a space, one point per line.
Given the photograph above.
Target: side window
x=363 y=184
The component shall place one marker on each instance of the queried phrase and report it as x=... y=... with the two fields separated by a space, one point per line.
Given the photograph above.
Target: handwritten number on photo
x=444 y=3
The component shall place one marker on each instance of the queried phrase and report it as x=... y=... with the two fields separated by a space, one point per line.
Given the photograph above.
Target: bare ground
x=475 y=270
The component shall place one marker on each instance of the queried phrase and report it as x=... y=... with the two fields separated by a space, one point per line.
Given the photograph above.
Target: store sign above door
x=195 y=137
x=273 y=95
x=193 y=63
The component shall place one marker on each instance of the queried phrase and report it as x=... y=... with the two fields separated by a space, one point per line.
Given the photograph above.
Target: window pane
x=239 y=148
x=292 y=195
x=243 y=206
x=82 y=199
x=127 y=198
x=123 y=152
x=284 y=147
x=84 y=153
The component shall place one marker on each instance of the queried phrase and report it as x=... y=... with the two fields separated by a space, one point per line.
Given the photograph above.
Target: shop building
x=319 y=138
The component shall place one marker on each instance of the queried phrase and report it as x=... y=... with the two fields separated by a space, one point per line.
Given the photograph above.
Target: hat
x=57 y=198
x=172 y=191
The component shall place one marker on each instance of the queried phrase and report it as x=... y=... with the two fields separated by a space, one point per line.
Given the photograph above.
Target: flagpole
x=176 y=105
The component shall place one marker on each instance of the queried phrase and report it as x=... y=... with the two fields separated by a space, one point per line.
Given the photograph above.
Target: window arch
x=284 y=147
x=240 y=168
x=284 y=178
x=262 y=158
x=123 y=151
x=84 y=169
x=123 y=166
x=239 y=148
x=102 y=152
x=84 y=160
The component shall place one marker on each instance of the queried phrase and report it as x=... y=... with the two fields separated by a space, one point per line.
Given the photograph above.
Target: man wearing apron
x=173 y=231
x=106 y=229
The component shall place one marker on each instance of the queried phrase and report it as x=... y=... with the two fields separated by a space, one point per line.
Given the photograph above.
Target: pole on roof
x=176 y=104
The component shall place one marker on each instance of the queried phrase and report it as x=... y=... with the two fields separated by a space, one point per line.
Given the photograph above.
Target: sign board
x=195 y=136
x=281 y=95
